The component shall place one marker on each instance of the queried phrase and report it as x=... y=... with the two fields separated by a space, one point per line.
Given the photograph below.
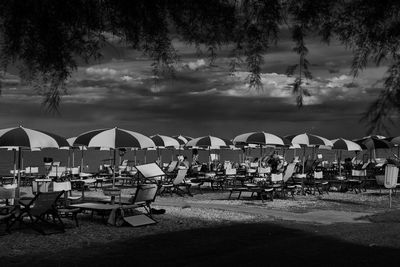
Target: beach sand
x=208 y=226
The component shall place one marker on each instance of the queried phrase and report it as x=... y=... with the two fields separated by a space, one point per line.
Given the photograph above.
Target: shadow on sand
x=267 y=244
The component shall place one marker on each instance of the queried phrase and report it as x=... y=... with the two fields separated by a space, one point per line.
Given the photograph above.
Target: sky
x=120 y=90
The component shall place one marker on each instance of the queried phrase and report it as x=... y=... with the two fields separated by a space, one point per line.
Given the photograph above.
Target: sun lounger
x=176 y=184
x=151 y=171
x=39 y=209
x=144 y=196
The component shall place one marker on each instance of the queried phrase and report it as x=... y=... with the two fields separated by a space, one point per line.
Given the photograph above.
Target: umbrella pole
x=82 y=160
x=145 y=156
x=69 y=158
x=115 y=167
x=73 y=158
x=134 y=152
x=17 y=192
x=304 y=157
x=15 y=163
x=340 y=163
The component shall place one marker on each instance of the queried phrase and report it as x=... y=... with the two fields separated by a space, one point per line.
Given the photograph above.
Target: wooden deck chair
x=39 y=209
x=176 y=184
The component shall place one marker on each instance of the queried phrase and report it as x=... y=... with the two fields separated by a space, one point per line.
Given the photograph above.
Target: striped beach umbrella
x=373 y=142
x=28 y=138
x=182 y=139
x=310 y=140
x=259 y=138
x=114 y=138
x=344 y=144
x=396 y=142
x=209 y=142
x=24 y=138
x=162 y=141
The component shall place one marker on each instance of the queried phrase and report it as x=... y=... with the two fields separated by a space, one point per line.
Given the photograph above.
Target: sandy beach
x=345 y=218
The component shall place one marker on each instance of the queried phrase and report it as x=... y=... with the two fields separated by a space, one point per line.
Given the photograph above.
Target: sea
x=93 y=159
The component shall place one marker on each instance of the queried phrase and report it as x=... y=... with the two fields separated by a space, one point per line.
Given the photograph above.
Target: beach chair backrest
x=7 y=193
x=75 y=170
x=289 y=171
x=230 y=172
x=180 y=176
x=57 y=171
x=172 y=166
x=253 y=164
x=39 y=186
x=145 y=193
x=227 y=165
x=318 y=175
x=276 y=177
x=391 y=175
x=44 y=202
x=365 y=165
x=34 y=170
x=61 y=186
x=359 y=173
x=150 y=170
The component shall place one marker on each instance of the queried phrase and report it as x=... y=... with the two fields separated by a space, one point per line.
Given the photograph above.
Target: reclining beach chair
x=176 y=184
x=145 y=195
x=288 y=186
x=150 y=173
x=39 y=209
x=7 y=194
x=171 y=167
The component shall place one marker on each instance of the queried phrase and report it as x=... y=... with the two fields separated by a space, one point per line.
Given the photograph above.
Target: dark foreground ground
x=243 y=244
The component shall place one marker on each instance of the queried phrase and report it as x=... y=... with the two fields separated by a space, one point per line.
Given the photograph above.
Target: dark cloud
x=203 y=100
